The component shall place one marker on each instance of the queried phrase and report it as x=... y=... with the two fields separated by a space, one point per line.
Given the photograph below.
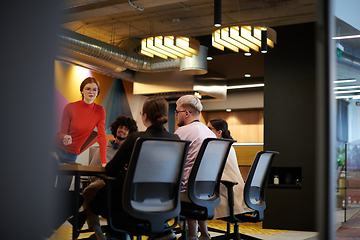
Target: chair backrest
x=254 y=190
x=152 y=183
x=204 y=180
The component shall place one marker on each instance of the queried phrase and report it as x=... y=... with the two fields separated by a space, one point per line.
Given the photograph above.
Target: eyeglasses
x=177 y=112
x=91 y=89
x=141 y=113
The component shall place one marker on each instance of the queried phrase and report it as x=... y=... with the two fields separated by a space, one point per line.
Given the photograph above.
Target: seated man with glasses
x=187 y=113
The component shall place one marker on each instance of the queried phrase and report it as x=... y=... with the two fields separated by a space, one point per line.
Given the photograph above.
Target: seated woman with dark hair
x=154 y=116
x=231 y=173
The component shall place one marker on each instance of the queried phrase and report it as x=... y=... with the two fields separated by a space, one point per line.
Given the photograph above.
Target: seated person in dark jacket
x=154 y=116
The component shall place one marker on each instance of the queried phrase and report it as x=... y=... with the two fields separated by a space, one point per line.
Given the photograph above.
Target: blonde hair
x=190 y=100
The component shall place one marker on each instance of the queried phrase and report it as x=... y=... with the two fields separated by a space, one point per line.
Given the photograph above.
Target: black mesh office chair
x=254 y=196
x=151 y=193
x=202 y=194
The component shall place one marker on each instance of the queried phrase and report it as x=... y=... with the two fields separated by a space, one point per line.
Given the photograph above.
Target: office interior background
x=295 y=113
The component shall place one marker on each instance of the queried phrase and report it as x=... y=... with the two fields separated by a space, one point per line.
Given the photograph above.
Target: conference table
x=78 y=170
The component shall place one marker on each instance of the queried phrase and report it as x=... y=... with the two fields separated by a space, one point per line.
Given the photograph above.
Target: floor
x=252 y=229
x=267 y=234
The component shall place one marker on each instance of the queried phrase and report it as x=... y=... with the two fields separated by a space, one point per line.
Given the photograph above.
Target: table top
x=70 y=167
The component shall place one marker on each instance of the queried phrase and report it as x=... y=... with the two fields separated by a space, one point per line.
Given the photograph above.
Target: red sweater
x=79 y=120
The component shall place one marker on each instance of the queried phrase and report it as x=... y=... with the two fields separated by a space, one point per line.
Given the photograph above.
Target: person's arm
x=102 y=137
x=122 y=157
x=62 y=136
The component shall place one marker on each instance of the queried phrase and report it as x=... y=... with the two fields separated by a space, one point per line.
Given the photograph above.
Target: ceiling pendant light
x=245 y=38
x=264 y=41
x=169 y=46
x=196 y=65
x=217 y=13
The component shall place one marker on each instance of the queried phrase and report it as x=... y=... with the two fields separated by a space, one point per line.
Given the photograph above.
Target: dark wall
x=28 y=44
x=289 y=125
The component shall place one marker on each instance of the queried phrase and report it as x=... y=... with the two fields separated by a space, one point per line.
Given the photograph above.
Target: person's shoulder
x=183 y=128
x=134 y=135
x=172 y=135
x=205 y=128
x=72 y=106
x=73 y=103
x=99 y=108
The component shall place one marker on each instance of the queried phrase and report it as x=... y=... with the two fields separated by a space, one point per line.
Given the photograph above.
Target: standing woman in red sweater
x=78 y=121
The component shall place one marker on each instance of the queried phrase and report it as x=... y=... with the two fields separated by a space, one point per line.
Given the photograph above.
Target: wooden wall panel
x=244 y=172
x=245 y=154
x=246 y=126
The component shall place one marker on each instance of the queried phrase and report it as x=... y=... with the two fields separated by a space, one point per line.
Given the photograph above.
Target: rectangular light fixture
x=345 y=80
x=246 y=86
x=348 y=96
x=154 y=43
x=244 y=38
x=347 y=37
x=237 y=33
x=225 y=35
x=169 y=46
x=215 y=44
x=218 y=39
x=348 y=87
x=348 y=91
x=160 y=43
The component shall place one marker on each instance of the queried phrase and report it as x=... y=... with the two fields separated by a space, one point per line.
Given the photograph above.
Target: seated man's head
x=188 y=108
x=122 y=127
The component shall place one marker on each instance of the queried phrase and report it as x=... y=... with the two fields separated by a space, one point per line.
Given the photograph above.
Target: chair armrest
x=230 y=192
x=245 y=217
x=228 y=184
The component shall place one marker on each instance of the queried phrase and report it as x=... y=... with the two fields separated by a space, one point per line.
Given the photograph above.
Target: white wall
x=136 y=103
x=348 y=11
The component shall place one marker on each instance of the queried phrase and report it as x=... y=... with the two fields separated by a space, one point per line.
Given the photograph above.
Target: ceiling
x=123 y=23
x=113 y=21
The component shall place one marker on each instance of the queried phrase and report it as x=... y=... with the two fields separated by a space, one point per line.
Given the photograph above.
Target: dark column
x=28 y=45
x=289 y=127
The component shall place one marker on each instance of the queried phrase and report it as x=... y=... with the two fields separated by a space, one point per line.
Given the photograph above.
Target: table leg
x=76 y=206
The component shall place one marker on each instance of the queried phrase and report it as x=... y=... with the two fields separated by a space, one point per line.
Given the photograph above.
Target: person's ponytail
x=221 y=124
x=156 y=109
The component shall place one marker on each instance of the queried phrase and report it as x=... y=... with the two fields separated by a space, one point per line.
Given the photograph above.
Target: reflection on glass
x=347 y=96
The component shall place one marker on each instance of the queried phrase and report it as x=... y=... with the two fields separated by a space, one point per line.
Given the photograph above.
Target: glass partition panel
x=352 y=176
x=347 y=94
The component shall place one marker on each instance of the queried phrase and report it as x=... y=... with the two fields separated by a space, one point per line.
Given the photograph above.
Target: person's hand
x=103 y=164
x=67 y=140
x=54 y=155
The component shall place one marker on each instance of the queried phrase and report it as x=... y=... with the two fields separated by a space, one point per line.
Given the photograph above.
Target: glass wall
x=347 y=94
